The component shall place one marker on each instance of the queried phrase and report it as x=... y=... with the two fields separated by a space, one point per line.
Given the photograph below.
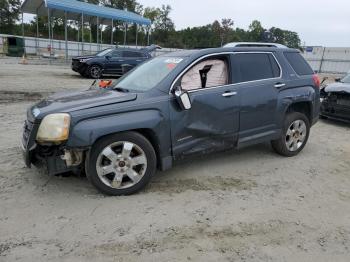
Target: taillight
x=317 y=81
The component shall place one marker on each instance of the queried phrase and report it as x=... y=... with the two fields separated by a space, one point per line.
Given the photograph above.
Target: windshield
x=346 y=79
x=104 y=52
x=149 y=74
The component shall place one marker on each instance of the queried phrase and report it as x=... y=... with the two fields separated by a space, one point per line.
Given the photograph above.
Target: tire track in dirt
x=205 y=184
x=21 y=96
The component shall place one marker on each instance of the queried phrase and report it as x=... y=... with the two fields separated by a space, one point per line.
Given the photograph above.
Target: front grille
x=342 y=99
x=75 y=63
x=27 y=129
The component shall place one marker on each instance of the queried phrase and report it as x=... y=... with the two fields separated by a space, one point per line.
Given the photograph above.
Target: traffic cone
x=24 y=59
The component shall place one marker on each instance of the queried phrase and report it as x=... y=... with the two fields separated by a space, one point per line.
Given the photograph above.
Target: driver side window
x=207 y=73
x=116 y=53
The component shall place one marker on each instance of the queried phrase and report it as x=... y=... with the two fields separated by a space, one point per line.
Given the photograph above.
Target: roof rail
x=254 y=44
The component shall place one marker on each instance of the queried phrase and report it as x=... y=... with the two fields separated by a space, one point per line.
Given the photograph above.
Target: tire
x=295 y=134
x=95 y=71
x=121 y=164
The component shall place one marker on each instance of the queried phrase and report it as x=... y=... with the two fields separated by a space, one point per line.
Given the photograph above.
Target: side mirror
x=183 y=99
x=108 y=57
x=337 y=79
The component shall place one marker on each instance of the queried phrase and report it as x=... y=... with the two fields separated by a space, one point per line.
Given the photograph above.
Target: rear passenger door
x=258 y=78
x=133 y=58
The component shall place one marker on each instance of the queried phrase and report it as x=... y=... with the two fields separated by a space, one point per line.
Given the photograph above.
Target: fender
x=85 y=133
x=288 y=97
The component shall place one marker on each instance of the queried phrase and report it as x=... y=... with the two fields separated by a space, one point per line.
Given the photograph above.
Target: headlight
x=84 y=60
x=54 y=128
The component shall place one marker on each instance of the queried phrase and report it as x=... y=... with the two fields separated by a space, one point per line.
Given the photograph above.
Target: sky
x=320 y=23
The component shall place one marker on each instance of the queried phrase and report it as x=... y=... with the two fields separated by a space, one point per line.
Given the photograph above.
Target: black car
x=171 y=107
x=335 y=100
x=112 y=61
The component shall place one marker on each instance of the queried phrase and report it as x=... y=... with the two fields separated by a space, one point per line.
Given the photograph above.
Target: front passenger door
x=114 y=62
x=212 y=122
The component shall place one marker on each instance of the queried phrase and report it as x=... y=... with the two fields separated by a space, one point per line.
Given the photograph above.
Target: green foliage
x=162 y=30
x=9 y=14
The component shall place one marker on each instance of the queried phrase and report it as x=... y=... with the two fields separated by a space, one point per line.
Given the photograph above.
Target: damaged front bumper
x=54 y=162
x=336 y=106
x=55 y=159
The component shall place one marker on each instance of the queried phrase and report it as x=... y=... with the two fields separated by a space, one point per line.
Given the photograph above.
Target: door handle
x=280 y=85
x=229 y=94
x=121 y=60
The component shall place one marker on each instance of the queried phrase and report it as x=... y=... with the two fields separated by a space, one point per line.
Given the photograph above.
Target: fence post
x=322 y=58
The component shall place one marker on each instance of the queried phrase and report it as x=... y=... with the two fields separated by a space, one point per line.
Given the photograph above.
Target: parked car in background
x=335 y=100
x=171 y=107
x=112 y=61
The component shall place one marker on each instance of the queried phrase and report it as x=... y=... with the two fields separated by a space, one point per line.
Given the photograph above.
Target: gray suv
x=171 y=107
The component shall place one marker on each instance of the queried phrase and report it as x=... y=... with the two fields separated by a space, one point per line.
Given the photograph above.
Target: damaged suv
x=171 y=107
x=335 y=99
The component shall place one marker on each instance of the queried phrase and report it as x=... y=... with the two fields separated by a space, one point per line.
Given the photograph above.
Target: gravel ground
x=248 y=205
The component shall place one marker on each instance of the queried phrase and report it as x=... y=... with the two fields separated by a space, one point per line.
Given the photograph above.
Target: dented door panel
x=210 y=125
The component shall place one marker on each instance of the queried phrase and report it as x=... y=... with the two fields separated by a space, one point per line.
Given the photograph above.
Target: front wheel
x=295 y=135
x=121 y=164
x=95 y=71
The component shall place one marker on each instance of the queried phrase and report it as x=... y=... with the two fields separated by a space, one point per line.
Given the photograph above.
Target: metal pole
x=148 y=35
x=321 y=62
x=22 y=27
x=49 y=25
x=112 y=33
x=101 y=34
x=82 y=33
x=90 y=34
x=97 y=34
x=78 y=39
x=37 y=32
x=66 y=34
x=136 y=34
x=125 y=31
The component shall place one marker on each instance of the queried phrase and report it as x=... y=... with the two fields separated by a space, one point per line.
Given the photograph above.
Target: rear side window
x=255 y=66
x=300 y=66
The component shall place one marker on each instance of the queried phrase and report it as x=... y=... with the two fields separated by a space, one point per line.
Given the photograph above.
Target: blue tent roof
x=76 y=8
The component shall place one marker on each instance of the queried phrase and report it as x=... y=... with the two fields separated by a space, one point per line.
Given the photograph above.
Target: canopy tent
x=76 y=8
x=83 y=12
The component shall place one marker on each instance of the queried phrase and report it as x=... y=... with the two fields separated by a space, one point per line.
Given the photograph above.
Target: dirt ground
x=248 y=205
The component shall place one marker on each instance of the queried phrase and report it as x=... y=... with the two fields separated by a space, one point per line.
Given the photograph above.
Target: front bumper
x=78 y=67
x=49 y=158
x=335 y=111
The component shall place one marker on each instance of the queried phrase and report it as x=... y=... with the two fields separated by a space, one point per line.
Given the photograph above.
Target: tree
x=9 y=15
x=164 y=27
x=227 y=28
x=285 y=37
x=255 y=31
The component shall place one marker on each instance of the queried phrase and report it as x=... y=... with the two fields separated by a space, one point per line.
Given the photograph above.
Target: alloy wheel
x=95 y=72
x=121 y=165
x=296 y=135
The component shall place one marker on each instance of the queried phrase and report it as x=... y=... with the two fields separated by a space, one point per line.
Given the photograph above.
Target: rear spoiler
x=151 y=48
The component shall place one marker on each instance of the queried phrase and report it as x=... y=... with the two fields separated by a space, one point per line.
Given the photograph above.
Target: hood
x=338 y=87
x=83 y=57
x=73 y=101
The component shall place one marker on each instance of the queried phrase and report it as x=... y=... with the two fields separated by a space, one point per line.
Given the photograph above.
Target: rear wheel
x=95 y=71
x=121 y=164
x=295 y=135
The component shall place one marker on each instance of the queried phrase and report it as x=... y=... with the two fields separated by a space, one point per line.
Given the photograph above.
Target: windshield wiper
x=121 y=89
